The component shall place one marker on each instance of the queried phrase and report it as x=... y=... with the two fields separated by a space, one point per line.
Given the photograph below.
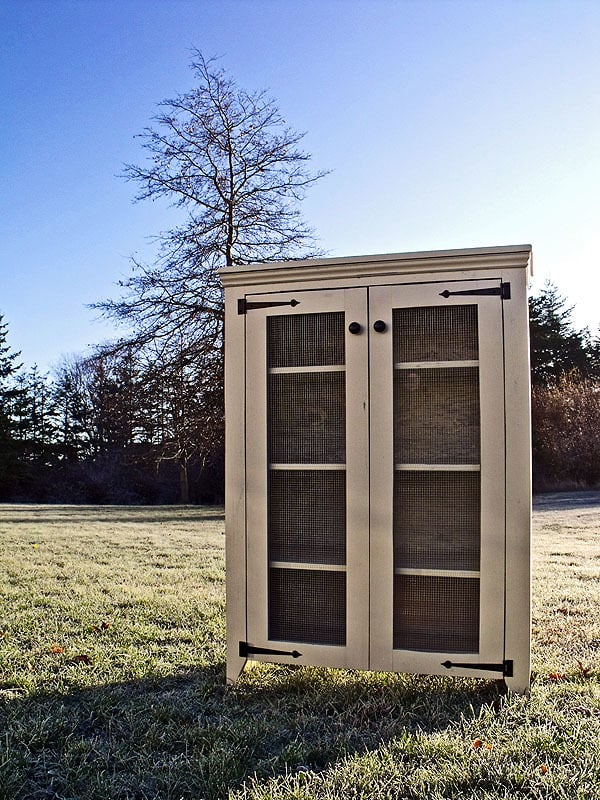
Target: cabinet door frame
x=383 y=299
x=354 y=303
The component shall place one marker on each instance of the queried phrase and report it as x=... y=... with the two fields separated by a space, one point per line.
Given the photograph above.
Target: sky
x=444 y=124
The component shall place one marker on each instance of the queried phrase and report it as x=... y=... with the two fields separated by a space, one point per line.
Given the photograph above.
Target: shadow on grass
x=190 y=736
x=110 y=514
x=566 y=501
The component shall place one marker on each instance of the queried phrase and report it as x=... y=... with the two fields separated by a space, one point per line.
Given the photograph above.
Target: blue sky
x=445 y=124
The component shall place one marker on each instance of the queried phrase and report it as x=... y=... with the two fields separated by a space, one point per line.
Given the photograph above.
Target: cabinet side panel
x=235 y=513
x=518 y=482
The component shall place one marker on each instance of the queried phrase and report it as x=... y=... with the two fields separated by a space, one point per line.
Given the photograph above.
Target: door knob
x=355 y=327
x=379 y=326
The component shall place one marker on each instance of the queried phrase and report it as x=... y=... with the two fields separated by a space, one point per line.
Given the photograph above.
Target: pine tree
x=557 y=348
x=10 y=397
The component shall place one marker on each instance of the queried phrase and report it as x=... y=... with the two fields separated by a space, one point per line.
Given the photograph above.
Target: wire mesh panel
x=436 y=614
x=302 y=340
x=307 y=516
x=306 y=413
x=436 y=416
x=307 y=606
x=436 y=333
x=437 y=520
x=437 y=512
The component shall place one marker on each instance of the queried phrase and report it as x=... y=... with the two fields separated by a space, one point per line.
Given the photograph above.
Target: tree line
x=109 y=428
x=119 y=427
x=140 y=420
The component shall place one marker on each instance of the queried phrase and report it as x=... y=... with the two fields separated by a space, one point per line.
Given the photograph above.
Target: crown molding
x=479 y=258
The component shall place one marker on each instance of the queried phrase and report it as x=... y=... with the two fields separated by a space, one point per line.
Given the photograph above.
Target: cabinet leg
x=518 y=685
x=235 y=667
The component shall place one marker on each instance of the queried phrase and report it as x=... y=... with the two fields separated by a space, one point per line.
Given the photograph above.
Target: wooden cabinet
x=378 y=469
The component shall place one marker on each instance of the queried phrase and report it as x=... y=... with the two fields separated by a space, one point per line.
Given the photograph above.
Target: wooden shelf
x=437 y=467
x=305 y=370
x=438 y=573
x=307 y=565
x=435 y=364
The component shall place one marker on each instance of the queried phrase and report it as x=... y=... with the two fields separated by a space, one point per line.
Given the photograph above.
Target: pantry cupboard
x=378 y=463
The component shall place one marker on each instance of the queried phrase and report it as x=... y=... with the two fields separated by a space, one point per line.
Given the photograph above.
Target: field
x=112 y=678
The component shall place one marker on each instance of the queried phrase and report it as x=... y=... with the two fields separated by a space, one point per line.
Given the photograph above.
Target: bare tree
x=226 y=158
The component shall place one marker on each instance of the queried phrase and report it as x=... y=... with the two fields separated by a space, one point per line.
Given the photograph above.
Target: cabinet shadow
x=189 y=735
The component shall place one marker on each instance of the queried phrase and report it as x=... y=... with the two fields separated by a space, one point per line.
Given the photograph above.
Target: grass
x=112 y=678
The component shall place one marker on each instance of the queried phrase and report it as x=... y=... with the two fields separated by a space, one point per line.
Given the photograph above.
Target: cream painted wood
x=325 y=277
x=491 y=381
x=355 y=653
x=441 y=573
x=438 y=467
x=307 y=467
x=235 y=496
x=308 y=565
x=435 y=364
x=380 y=268
x=303 y=370
x=518 y=484
x=357 y=480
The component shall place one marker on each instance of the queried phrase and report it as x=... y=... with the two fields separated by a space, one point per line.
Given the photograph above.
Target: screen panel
x=307 y=516
x=436 y=416
x=435 y=333
x=305 y=340
x=437 y=486
x=307 y=605
x=307 y=420
x=306 y=504
x=437 y=520
x=436 y=614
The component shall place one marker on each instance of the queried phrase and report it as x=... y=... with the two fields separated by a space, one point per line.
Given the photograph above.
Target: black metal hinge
x=249 y=650
x=502 y=291
x=247 y=305
x=506 y=667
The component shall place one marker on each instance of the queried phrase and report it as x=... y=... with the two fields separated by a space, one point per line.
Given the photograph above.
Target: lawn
x=112 y=678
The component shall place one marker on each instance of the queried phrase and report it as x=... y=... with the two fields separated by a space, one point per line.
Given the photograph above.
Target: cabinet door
x=437 y=478
x=307 y=477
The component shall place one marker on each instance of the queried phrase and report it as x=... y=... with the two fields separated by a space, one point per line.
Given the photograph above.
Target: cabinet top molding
x=476 y=258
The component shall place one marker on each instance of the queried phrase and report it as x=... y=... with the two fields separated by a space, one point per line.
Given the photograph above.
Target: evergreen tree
x=72 y=411
x=10 y=398
x=34 y=416
x=557 y=348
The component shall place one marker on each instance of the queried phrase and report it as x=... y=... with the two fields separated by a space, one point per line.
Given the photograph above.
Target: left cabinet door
x=307 y=477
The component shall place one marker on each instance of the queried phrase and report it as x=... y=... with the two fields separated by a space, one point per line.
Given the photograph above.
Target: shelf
x=304 y=565
x=305 y=370
x=438 y=573
x=435 y=364
x=316 y=467
x=437 y=467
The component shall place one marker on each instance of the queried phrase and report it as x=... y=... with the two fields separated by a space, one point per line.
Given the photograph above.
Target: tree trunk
x=184 y=485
